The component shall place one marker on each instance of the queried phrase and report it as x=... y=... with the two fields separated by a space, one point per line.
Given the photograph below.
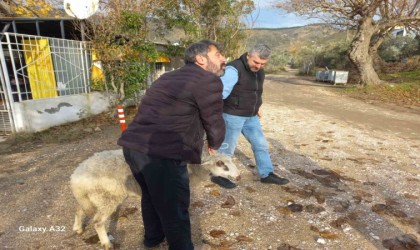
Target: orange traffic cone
x=121 y=117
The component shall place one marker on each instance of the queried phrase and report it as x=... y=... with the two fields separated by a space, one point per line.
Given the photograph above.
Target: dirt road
x=317 y=97
x=353 y=168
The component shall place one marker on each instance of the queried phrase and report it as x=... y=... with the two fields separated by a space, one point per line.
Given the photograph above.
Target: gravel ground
x=353 y=169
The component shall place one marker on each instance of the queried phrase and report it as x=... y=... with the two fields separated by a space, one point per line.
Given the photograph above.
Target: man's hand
x=212 y=151
x=259 y=113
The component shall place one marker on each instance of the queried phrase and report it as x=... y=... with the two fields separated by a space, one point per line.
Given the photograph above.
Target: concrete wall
x=37 y=115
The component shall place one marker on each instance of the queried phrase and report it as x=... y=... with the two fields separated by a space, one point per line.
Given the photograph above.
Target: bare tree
x=372 y=20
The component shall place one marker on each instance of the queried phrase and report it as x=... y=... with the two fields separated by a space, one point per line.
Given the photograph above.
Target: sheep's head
x=222 y=165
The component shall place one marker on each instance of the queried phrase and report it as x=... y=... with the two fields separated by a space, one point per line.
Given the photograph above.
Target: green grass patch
x=402 y=88
x=408 y=77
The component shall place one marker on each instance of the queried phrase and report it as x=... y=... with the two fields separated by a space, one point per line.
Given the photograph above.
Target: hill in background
x=280 y=39
x=305 y=47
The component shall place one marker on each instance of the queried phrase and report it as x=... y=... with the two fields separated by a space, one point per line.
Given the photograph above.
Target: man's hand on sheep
x=212 y=151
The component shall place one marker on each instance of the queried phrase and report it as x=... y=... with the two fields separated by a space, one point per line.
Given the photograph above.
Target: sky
x=270 y=17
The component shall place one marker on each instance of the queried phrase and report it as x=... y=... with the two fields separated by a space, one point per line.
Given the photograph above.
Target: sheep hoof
x=78 y=230
x=107 y=246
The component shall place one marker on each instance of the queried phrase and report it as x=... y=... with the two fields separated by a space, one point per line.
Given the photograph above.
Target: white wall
x=41 y=114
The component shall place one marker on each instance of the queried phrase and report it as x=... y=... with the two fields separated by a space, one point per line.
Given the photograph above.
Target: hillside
x=280 y=39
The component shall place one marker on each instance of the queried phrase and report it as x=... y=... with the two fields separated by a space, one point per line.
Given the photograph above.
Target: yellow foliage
x=34 y=8
x=295 y=47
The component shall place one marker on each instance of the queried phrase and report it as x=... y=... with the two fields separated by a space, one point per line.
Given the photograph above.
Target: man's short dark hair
x=199 y=48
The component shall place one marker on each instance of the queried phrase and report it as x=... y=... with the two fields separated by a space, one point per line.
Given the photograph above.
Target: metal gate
x=36 y=67
x=6 y=122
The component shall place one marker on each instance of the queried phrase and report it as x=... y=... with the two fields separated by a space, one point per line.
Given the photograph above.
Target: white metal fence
x=35 y=67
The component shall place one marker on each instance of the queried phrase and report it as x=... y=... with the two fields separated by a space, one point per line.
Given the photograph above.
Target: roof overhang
x=65 y=28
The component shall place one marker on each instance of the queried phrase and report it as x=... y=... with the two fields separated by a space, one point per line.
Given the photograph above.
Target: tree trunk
x=361 y=55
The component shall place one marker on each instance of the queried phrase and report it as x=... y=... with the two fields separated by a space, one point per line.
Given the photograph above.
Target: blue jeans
x=250 y=127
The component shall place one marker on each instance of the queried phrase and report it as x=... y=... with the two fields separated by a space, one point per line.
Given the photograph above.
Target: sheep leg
x=99 y=224
x=78 y=220
x=85 y=207
x=109 y=204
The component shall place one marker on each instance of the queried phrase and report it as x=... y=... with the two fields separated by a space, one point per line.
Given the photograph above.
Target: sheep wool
x=103 y=181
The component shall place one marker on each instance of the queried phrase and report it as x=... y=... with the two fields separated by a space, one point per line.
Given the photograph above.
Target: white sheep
x=103 y=181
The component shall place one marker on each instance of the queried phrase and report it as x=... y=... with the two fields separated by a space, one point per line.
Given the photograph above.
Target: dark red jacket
x=174 y=114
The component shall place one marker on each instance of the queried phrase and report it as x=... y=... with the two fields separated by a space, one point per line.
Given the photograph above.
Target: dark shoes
x=153 y=244
x=274 y=179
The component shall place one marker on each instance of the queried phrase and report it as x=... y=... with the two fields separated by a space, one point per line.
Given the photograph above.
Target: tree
x=218 y=20
x=34 y=8
x=221 y=21
x=124 y=30
x=395 y=49
x=119 y=37
x=372 y=20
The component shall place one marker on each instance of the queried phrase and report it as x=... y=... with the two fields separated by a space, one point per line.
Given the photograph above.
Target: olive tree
x=372 y=20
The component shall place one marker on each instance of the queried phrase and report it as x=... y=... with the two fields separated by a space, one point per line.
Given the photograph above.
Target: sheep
x=103 y=181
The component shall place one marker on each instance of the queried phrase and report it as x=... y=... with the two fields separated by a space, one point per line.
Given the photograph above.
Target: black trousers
x=165 y=199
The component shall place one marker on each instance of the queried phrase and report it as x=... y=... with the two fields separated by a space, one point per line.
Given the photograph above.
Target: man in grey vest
x=242 y=93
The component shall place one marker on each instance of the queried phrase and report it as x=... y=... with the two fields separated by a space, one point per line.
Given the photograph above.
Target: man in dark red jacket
x=167 y=133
